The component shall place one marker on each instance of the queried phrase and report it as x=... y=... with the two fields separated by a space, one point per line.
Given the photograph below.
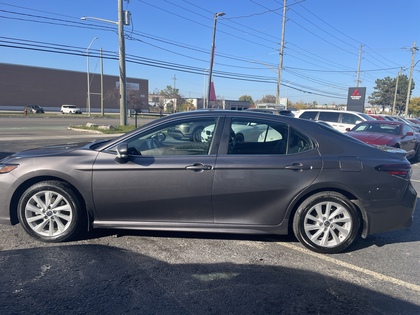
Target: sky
x=168 y=42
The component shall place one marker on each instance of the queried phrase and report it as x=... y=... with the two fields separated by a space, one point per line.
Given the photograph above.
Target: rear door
x=255 y=181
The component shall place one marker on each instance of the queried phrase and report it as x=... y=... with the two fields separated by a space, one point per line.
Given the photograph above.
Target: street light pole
x=120 y=23
x=88 y=76
x=216 y=15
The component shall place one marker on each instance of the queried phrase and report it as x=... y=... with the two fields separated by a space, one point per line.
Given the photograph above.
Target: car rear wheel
x=50 y=211
x=326 y=222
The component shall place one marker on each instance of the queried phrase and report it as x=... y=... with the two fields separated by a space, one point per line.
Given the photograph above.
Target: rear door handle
x=298 y=167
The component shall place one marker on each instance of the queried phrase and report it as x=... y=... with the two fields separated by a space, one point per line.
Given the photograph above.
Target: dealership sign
x=356 y=99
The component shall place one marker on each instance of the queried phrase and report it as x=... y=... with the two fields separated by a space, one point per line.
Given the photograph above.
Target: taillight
x=401 y=170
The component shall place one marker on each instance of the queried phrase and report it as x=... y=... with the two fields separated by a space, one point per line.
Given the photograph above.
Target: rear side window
x=308 y=115
x=298 y=142
x=329 y=116
x=265 y=138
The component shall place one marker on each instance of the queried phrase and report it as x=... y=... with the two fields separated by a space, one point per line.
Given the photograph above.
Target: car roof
x=330 y=110
x=382 y=122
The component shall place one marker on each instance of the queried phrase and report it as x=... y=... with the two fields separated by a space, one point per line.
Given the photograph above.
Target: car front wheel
x=326 y=222
x=50 y=211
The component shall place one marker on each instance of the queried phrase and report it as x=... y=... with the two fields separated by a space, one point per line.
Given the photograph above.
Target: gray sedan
x=299 y=176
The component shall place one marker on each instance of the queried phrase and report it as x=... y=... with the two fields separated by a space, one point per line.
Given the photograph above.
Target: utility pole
x=413 y=55
x=358 y=66
x=281 y=53
x=396 y=92
x=102 y=84
x=174 y=81
x=123 y=90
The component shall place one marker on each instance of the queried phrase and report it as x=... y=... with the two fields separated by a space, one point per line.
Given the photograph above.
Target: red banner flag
x=212 y=92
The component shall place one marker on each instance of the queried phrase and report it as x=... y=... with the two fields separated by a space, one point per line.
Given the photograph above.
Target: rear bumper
x=388 y=215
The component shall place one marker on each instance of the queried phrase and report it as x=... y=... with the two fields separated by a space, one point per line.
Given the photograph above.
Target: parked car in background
x=283 y=112
x=187 y=131
x=322 y=185
x=70 y=109
x=338 y=119
x=408 y=122
x=245 y=131
x=414 y=121
x=34 y=109
x=378 y=117
x=389 y=133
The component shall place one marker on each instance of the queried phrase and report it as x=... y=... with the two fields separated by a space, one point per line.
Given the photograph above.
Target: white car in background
x=338 y=119
x=250 y=132
x=70 y=109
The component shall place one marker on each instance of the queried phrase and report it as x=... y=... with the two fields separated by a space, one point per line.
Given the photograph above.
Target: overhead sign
x=356 y=99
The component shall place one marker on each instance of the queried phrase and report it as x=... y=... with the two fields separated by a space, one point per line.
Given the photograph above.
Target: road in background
x=133 y=272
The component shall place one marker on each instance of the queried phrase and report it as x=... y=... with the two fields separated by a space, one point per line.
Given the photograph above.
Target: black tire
x=50 y=211
x=326 y=222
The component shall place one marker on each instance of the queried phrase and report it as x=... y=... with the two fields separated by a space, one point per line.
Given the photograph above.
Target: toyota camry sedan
x=297 y=176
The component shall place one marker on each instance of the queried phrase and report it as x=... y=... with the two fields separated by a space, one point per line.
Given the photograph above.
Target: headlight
x=7 y=168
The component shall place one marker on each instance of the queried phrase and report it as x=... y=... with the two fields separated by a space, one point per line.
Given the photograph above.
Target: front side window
x=308 y=115
x=347 y=118
x=188 y=137
x=407 y=128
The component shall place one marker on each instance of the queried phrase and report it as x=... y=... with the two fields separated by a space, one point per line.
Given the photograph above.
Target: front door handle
x=199 y=167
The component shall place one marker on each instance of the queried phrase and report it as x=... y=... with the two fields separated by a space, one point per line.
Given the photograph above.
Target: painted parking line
x=373 y=274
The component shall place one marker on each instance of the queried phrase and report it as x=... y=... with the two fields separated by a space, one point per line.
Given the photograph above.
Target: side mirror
x=348 y=129
x=122 y=151
x=409 y=133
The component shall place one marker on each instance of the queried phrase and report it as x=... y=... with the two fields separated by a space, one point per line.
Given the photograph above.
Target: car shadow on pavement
x=98 y=279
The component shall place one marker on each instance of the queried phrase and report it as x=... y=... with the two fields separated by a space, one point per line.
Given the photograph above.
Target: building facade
x=50 y=88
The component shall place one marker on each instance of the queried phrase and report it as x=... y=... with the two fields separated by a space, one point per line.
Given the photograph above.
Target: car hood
x=48 y=151
x=372 y=137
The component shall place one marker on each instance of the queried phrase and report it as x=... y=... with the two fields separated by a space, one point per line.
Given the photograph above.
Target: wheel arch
x=353 y=199
x=28 y=183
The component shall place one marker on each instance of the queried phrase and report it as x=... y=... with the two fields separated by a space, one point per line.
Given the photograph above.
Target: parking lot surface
x=136 y=272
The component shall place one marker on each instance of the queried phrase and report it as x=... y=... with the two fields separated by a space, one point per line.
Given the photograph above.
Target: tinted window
x=298 y=142
x=308 y=115
x=329 y=116
x=189 y=137
x=347 y=118
x=256 y=137
x=407 y=128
